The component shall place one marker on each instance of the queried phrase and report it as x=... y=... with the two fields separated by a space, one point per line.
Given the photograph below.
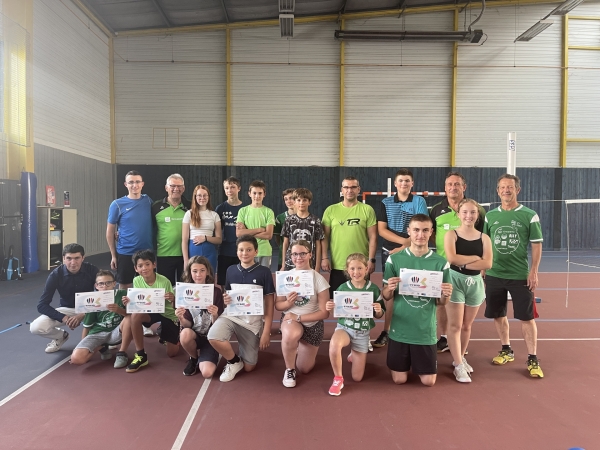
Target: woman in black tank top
x=469 y=252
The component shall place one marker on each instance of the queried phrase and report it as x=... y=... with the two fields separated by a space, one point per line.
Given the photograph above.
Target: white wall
x=186 y=96
x=71 y=108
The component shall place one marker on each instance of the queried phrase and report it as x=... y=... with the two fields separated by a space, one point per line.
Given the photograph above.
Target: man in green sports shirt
x=445 y=218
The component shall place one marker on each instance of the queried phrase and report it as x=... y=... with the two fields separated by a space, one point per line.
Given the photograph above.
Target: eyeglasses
x=350 y=187
x=299 y=255
x=176 y=186
x=131 y=183
x=201 y=196
x=105 y=283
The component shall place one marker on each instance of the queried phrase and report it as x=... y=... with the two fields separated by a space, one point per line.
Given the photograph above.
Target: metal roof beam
x=95 y=17
x=162 y=13
x=225 y=11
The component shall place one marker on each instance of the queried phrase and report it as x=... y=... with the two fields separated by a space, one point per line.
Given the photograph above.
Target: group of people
x=156 y=244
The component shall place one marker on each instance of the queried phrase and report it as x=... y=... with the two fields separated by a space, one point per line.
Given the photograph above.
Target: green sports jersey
x=253 y=218
x=348 y=231
x=167 y=221
x=510 y=233
x=446 y=219
x=161 y=282
x=361 y=324
x=104 y=321
x=413 y=319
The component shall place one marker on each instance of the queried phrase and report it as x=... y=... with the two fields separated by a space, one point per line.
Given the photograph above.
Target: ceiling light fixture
x=534 y=30
x=473 y=36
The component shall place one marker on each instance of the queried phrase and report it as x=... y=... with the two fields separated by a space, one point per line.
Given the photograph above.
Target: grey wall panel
x=90 y=183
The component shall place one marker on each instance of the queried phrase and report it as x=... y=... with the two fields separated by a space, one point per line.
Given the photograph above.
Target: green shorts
x=467 y=289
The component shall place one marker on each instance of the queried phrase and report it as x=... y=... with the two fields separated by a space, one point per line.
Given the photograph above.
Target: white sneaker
x=148 y=331
x=370 y=346
x=468 y=367
x=289 y=378
x=461 y=374
x=56 y=344
x=231 y=370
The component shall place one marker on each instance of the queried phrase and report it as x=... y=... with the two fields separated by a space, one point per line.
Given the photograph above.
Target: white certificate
x=357 y=305
x=146 y=300
x=300 y=281
x=421 y=283
x=245 y=302
x=86 y=302
x=194 y=296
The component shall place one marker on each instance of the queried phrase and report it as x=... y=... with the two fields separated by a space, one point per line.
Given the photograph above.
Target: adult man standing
x=392 y=223
x=412 y=334
x=72 y=276
x=131 y=216
x=350 y=227
x=445 y=218
x=511 y=228
x=167 y=215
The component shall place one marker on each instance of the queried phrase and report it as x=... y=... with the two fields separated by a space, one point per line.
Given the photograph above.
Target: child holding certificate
x=195 y=323
x=144 y=263
x=302 y=325
x=468 y=251
x=351 y=331
x=102 y=328
x=253 y=331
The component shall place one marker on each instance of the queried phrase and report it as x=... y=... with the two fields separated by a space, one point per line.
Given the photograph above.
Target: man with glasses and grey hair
x=167 y=217
x=130 y=217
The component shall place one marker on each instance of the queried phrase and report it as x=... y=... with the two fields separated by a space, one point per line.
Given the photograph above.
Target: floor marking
x=35 y=380
x=494 y=339
x=185 y=428
x=565 y=288
x=11 y=328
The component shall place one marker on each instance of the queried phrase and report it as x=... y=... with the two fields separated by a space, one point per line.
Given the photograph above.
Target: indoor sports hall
x=300 y=94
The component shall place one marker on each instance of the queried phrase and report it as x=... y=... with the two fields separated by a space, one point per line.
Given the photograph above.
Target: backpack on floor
x=11 y=269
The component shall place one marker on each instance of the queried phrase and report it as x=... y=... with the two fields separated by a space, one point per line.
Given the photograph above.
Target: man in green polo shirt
x=167 y=215
x=445 y=218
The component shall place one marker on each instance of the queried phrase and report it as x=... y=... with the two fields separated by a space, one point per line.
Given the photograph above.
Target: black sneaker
x=138 y=362
x=442 y=345
x=191 y=368
x=382 y=340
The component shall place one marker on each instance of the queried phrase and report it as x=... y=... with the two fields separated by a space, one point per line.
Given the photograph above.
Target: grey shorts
x=93 y=341
x=248 y=342
x=359 y=339
x=467 y=289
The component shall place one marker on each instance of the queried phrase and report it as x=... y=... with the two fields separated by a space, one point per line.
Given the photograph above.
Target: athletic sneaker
x=503 y=357
x=231 y=370
x=337 y=386
x=105 y=355
x=534 y=368
x=289 y=378
x=138 y=362
x=382 y=340
x=191 y=368
x=467 y=366
x=370 y=347
x=442 y=345
x=56 y=344
x=121 y=360
x=148 y=331
x=461 y=374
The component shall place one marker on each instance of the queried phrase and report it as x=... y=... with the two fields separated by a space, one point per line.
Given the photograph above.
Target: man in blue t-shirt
x=129 y=216
x=228 y=212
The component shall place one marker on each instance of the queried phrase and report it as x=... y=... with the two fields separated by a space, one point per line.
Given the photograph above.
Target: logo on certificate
x=350 y=304
x=417 y=283
x=143 y=300
x=292 y=282
x=243 y=301
x=92 y=302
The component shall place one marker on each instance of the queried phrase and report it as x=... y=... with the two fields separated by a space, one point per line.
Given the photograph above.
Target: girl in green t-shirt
x=353 y=331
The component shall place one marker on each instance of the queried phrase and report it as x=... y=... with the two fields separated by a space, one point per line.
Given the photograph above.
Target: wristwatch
x=373 y=260
x=298 y=319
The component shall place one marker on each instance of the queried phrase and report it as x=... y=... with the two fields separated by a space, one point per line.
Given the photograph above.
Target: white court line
x=35 y=380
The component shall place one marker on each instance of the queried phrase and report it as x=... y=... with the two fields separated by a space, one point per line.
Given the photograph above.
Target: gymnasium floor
x=48 y=403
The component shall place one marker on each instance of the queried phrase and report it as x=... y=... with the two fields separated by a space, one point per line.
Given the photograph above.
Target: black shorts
x=421 y=359
x=169 y=330
x=125 y=269
x=336 y=279
x=207 y=352
x=496 y=299
x=170 y=267
x=223 y=263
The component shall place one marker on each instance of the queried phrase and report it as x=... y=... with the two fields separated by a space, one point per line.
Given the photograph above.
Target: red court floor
x=98 y=407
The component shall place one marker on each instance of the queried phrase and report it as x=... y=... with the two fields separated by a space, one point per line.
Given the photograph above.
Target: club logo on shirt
x=416 y=302
x=301 y=301
x=506 y=239
x=350 y=222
